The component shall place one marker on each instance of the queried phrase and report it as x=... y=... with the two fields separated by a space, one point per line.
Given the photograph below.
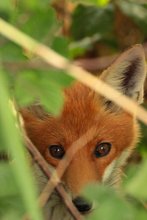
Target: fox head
x=114 y=132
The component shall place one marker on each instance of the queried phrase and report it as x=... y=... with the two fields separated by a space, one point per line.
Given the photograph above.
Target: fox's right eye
x=56 y=151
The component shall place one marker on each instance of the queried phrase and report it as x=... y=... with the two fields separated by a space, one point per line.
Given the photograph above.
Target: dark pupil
x=102 y=149
x=56 y=151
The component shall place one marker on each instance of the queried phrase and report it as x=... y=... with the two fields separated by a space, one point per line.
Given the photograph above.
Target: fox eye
x=102 y=149
x=56 y=151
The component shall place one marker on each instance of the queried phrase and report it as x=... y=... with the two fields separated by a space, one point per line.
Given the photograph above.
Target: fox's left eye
x=102 y=149
x=56 y=151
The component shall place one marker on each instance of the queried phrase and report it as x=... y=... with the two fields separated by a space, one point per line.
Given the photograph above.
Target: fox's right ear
x=34 y=113
x=33 y=118
x=127 y=74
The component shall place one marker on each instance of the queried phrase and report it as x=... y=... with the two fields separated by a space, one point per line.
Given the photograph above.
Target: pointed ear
x=34 y=112
x=127 y=74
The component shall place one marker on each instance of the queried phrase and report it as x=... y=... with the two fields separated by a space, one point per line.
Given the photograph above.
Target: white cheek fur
x=113 y=169
x=108 y=171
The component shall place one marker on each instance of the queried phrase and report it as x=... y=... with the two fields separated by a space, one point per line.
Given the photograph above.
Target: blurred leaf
x=47 y=87
x=11 y=52
x=10 y=215
x=100 y=2
x=7 y=5
x=80 y=47
x=6 y=177
x=140 y=214
x=35 y=4
x=13 y=142
x=60 y=45
x=59 y=76
x=51 y=97
x=44 y=25
x=136 y=10
x=11 y=205
x=142 y=147
x=89 y=20
x=26 y=87
x=137 y=185
x=108 y=204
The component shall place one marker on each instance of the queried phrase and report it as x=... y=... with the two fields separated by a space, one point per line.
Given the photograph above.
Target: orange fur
x=83 y=109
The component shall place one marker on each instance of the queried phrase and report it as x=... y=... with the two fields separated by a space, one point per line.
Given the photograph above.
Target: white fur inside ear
x=127 y=74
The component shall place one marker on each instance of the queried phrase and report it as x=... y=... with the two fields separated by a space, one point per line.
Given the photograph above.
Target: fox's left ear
x=127 y=74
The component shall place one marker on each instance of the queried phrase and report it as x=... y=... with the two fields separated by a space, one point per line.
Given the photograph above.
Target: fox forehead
x=84 y=109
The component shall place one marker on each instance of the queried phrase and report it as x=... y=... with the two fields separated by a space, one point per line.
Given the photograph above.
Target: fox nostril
x=82 y=204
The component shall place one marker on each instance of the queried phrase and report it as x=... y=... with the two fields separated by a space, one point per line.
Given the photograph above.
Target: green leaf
x=108 y=204
x=11 y=52
x=136 y=10
x=51 y=97
x=47 y=87
x=26 y=87
x=11 y=205
x=35 y=4
x=99 y=2
x=137 y=185
x=60 y=45
x=90 y=20
x=7 y=5
x=10 y=215
x=7 y=177
x=44 y=25
x=59 y=77
x=13 y=141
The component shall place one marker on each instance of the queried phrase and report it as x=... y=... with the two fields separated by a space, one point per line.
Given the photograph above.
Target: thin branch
x=44 y=166
x=55 y=177
x=64 y=163
x=83 y=76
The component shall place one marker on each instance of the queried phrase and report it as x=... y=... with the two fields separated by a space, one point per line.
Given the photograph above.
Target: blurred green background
x=92 y=33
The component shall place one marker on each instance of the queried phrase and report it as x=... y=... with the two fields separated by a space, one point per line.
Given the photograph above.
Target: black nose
x=82 y=204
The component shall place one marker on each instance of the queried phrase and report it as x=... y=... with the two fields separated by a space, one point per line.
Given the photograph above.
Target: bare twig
x=56 y=176
x=44 y=166
x=58 y=173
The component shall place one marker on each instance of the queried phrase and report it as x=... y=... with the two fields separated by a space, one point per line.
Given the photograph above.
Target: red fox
x=114 y=137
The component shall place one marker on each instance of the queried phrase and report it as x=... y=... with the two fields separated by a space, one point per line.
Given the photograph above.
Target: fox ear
x=127 y=74
x=34 y=112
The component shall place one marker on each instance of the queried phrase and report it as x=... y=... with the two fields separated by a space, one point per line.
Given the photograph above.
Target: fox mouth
x=82 y=205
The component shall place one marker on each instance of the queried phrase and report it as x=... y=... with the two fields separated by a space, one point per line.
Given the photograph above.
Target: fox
x=114 y=136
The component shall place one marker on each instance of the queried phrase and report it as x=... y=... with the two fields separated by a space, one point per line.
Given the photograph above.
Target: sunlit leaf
x=100 y=2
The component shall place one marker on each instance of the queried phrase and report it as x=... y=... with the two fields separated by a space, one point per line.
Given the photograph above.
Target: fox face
x=108 y=133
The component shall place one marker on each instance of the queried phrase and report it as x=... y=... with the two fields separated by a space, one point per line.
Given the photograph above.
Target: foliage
x=137 y=11
x=92 y=24
x=110 y=205
x=23 y=80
